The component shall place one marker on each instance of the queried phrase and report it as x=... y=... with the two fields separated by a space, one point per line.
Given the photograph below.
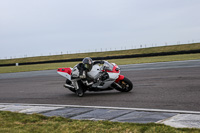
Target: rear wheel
x=126 y=85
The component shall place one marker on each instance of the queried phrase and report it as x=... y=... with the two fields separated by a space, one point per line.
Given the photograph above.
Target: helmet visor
x=88 y=66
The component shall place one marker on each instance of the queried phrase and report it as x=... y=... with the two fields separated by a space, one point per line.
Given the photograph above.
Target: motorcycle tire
x=126 y=85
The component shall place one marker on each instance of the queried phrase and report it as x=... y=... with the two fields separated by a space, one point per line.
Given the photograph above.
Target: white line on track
x=105 y=107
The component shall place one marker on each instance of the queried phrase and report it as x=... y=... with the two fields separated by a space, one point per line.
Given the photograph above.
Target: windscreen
x=108 y=66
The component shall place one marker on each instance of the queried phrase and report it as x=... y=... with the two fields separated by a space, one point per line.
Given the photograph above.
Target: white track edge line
x=105 y=107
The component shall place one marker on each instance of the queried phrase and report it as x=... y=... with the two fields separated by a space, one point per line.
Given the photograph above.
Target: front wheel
x=126 y=85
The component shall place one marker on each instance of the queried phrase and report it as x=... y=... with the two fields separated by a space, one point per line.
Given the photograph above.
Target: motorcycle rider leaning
x=84 y=67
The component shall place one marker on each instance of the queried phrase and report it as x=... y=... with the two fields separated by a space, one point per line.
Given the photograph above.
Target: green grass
x=37 y=67
x=50 y=66
x=22 y=123
x=193 y=46
x=157 y=59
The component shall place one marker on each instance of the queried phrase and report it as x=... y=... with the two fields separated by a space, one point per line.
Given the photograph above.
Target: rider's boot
x=79 y=92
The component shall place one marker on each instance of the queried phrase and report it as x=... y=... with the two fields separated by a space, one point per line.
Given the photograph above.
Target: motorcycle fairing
x=65 y=72
x=121 y=77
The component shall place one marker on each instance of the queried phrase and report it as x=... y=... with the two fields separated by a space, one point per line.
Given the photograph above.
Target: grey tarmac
x=158 y=88
x=164 y=86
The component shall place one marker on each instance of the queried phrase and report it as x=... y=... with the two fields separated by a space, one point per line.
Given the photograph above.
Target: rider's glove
x=82 y=76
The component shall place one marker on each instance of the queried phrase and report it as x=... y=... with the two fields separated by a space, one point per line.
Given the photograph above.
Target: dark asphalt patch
x=144 y=117
x=116 y=115
x=68 y=112
x=101 y=114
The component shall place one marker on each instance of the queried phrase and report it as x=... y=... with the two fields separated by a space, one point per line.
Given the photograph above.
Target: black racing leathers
x=83 y=70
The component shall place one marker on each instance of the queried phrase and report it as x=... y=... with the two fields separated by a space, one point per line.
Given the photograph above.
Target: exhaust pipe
x=68 y=86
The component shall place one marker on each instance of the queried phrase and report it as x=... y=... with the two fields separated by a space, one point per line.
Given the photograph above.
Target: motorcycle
x=100 y=78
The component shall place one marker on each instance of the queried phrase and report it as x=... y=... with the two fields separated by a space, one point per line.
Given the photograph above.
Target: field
x=173 y=48
x=51 y=66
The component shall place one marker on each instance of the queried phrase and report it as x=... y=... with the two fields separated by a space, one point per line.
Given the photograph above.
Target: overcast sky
x=43 y=27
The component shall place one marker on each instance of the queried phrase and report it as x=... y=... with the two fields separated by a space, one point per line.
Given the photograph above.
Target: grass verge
x=51 y=66
x=22 y=123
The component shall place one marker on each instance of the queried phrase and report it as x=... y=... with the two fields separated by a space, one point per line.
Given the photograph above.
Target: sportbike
x=100 y=78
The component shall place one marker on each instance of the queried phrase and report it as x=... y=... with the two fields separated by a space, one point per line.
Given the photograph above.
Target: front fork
x=121 y=77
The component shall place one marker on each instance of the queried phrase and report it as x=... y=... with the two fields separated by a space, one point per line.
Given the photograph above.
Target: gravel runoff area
x=174 y=118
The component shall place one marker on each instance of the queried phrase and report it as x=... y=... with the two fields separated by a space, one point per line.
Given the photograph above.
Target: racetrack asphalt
x=168 y=85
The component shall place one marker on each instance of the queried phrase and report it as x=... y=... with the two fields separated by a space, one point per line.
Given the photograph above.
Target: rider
x=84 y=67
